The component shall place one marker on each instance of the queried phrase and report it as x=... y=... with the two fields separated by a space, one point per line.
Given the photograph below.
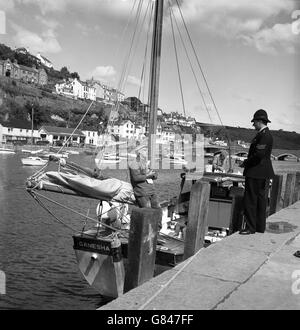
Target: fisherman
x=141 y=177
x=221 y=162
x=258 y=171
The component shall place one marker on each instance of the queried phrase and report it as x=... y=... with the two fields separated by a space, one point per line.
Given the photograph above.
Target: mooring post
x=296 y=195
x=197 y=218
x=275 y=194
x=289 y=189
x=237 y=207
x=160 y=157
x=142 y=246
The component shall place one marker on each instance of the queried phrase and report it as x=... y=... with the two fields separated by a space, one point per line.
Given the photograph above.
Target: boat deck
x=169 y=251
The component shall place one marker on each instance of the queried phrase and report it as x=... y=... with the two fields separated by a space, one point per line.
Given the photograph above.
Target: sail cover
x=110 y=189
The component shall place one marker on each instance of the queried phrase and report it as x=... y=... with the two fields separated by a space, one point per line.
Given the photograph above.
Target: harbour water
x=36 y=252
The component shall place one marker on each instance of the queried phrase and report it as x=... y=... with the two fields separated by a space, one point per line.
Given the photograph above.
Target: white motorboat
x=7 y=151
x=34 y=161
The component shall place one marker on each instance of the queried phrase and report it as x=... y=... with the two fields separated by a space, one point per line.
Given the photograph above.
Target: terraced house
x=23 y=73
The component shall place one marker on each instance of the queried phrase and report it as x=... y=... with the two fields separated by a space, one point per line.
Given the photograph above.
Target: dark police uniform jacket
x=258 y=165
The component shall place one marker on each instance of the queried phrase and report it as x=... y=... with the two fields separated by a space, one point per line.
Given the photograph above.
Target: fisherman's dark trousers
x=255 y=204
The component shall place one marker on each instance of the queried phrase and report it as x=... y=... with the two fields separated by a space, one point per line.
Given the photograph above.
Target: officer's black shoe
x=246 y=232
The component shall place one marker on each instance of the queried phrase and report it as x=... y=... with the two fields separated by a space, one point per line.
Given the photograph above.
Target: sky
x=248 y=51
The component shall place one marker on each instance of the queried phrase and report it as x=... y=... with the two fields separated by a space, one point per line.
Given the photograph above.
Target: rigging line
x=88 y=109
x=137 y=41
x=206 y=83
x=198 y=62
x=74 y=211
x=146 y=51
x=56 y=218
x=126 y=28
x=137 y=18
x=49 y=211
x=115 y=109
x=36 y=174
x=191 y=65
x=177 y=63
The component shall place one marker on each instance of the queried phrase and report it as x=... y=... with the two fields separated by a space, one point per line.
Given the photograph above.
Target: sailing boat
x=33 y=160
x=101 y=251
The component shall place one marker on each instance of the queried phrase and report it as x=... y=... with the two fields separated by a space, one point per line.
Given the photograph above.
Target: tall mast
x=154 y=77
x=31 y=125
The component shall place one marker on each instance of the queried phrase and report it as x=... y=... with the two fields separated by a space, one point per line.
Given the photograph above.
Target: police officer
x=258 y=171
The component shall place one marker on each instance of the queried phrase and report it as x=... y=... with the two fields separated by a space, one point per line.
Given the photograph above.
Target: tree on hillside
x=41 y=115
x=17 y=111
x=75 y=75
x=6 y=52
x=65 y=72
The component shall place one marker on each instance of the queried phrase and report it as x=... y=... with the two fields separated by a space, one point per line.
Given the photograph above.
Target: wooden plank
x=275 y=194
x=236 y=217
x=289 y=189
x=160 y=155
x=142 y=246
x=197 y=218
x=296 y=195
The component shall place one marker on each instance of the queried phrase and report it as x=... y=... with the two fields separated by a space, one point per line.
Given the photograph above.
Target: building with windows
x=91 y=137
x=53 y=134
x=17 y=131
x=105 y=93
x=23 y=73
x=76 y=89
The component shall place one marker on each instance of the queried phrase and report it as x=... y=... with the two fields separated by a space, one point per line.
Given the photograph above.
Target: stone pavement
x=240 y=272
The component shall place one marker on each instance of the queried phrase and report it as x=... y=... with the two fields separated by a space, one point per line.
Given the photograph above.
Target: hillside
x=282 y=139
x=17 y=100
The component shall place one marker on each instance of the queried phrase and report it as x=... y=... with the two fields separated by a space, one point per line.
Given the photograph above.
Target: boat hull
x=7 y=151
x=33 y=161
x=95 y=260
x=98 y=270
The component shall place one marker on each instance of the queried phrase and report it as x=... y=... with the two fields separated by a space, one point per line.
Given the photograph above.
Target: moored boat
x=7 y=151
x=33 y=161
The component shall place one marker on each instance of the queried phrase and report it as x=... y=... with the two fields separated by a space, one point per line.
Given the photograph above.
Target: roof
x=22 y=67
x=44 y=58
x=62 y=130
x=122 y=122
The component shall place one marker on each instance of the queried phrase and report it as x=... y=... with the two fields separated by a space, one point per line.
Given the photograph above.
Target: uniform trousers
x=255 y=204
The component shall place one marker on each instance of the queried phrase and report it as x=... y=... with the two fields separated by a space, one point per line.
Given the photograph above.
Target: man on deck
x=141 y=178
